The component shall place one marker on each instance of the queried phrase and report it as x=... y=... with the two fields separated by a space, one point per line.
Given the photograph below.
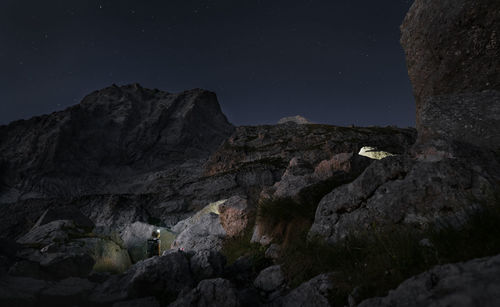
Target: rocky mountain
x=117 y=140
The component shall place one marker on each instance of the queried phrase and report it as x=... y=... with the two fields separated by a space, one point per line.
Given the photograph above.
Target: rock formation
x=115 y=141
x=81 y=189
x=453 y=54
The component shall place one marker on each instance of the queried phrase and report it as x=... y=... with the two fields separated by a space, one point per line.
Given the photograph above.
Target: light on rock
x=374 y=153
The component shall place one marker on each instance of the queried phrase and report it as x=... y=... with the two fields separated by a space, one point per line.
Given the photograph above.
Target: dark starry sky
x=336 y=62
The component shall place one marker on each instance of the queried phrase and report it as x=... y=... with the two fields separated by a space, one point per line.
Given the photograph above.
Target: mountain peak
x=294 y=119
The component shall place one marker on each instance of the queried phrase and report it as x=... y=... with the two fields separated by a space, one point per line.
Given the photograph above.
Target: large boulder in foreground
x=453 y=56
x=401 y=190
x=163 y=277
x=201 y=231
x=472 y=283
x=314 y=292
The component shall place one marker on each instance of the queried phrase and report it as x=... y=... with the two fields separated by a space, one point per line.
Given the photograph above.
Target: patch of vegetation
x=378 y=260
x=275 y=211
x=241 y=246
x=109 y=265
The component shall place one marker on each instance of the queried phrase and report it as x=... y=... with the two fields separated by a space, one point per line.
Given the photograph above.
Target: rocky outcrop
x=269 y=149
x=270 y=280
x=453 y=54
x=207 y=234
x=472 y=283
x=401 y=190
x=110 y=142
x=201 y=231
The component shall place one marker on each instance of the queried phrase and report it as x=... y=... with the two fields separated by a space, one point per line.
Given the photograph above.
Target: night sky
x=336 y=62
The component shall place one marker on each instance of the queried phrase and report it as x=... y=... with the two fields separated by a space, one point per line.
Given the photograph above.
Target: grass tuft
x=378 y=260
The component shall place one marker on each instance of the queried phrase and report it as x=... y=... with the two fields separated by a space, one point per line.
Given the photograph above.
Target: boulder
x=161 y=276
x=207 y=264
x=195 y=218
x=271 y=279
x=206 y=234
x=210 y=292
x=472 y=283
x=399 y=190
x=453 y=55
x=273 y=251
x=470 y=118
x=314 y=292
x=241 y=272
x=234 y=215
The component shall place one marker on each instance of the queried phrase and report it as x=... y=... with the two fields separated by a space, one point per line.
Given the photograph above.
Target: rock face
x=401 y=190
x=471 y=283
x=200 y=231
x=206 y=234
x=453 y=54
x=267 y=150
x=112 y=138
x=234 y=215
